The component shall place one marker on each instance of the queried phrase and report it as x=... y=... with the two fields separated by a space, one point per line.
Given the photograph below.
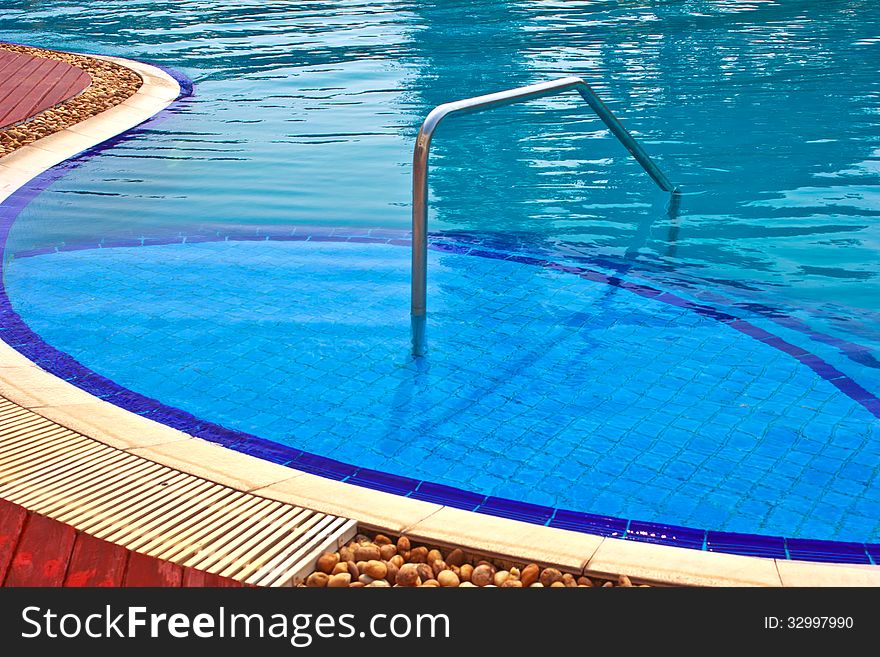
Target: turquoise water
x=541 y=386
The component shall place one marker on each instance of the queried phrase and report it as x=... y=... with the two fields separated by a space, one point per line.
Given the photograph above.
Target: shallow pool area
x=549 y=384
x=241 y=269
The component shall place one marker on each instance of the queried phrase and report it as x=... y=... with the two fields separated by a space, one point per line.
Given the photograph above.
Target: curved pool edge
x=26 y=384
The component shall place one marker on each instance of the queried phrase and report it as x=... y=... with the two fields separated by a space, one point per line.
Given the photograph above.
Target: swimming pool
x=246 y=261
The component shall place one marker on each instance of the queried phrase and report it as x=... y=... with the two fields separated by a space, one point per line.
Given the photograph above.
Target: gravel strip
x=111 y=84
x=380 y=562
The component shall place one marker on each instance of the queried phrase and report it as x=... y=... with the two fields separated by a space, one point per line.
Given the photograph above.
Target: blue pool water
x=715 y=369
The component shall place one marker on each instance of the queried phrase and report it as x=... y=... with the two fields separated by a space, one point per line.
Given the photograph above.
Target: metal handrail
x=478 y=104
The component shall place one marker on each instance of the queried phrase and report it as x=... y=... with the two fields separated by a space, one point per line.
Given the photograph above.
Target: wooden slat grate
x=156 y=510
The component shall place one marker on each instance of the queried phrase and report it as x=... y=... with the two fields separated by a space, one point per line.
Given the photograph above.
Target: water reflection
x=765 y=112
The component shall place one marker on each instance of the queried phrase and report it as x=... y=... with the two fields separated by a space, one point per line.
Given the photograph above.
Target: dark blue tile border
x=652 y=532
x=15 y=332
x=589 y=523
x=804 y=549
x=752 y=545
x=383 y=481
x=267 y=450
x=448 y=496
x=504 y=508
x=320 y=465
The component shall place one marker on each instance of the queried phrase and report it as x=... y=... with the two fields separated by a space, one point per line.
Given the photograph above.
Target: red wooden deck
x=29 y=85
x=38 y=551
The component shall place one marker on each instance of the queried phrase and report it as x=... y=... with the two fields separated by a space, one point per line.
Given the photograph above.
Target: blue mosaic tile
x=852 y=389
x=382 y=481
x=785 y=347
x=173 y=418
x=589 y=523
x=449 y=248
x=831 y=551
x=320 y=465
x=268 y=450
x=447 y=496
x=534 y=513
x=650 y=532
x=641 y=290
x=218 y=434
x=873 y=406
x=135 y=403
x=750 y=330
x=873 y=550
x=772 y=547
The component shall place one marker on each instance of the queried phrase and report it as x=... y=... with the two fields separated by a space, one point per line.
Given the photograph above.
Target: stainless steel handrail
x=478 y=104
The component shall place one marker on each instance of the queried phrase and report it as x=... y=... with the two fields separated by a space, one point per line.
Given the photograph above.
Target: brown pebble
x=367 y=553
x=500 y=577
x=376 y=569
x=356 y=585
x=536 y=585
x=514 y=572
x=550 y=575
x=353 y=570
x=431 y=582
x=465 y=572
x=403 y=544
x=557 y=585
x=425 y=571
x=438 y=565
x=418 y=555
x=408 y=575
x=584 y=581
x=365 y=579
x=512 y=584
x=529 y=574
x=466 y=585
x=346 y=554
x=624 y=581
x=397 y=560
x=448 y=578
x=608 y=585
x=379 y=583
x=362 y=539
x=317 y=580
x=392 y=570
x=433 y=555
x=455 y=557
x=569 y=580
x=341 y=567
x=387 y=551
x=381 y=540
x=339 y=581
x=482 y=575
x=327 y=562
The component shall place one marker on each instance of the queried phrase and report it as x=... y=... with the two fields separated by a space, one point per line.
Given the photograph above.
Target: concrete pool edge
x=28 y=385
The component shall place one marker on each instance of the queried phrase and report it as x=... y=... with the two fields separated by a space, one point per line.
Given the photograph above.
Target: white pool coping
x=26 y=384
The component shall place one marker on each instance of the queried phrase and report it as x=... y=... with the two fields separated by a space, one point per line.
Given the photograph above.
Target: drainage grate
x=157 y=510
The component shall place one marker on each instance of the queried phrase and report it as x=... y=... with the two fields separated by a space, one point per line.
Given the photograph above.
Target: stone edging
x=24 y=383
